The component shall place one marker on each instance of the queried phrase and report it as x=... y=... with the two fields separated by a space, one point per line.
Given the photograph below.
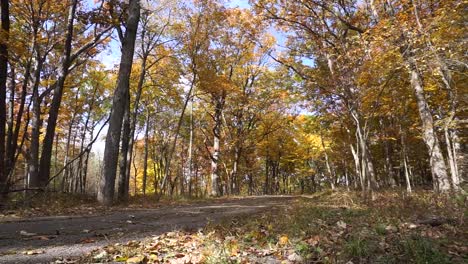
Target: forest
x=146 y=101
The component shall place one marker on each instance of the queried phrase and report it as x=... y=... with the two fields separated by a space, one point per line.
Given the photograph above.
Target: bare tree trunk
x=367 y=167
x=145 y=158
x=327 y=163
x=74 y=174
x=13 y=141
x=266 y=187
x=67 y=154
x=357 y=165
x=218 y=119
x=436 y=158
x=234 y=185
x=46 y=156
x=215 y=191
x=190 y=147
x=111 y=151
x=85 y=170
x=451 y=159
x=404 y=158
x=135 y=173
x=176 y=135
x=5 y=28
x=33 y=161
x=124 y=178
x=122 y=192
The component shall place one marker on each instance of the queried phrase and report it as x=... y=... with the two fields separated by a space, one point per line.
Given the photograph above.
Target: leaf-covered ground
x=323 y=228
x=53 y=204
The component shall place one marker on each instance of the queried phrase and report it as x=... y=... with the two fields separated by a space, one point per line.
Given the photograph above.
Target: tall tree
x=119 y=103
x=4 y=35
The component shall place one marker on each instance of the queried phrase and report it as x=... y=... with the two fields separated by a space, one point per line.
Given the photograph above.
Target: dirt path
x=69 y=236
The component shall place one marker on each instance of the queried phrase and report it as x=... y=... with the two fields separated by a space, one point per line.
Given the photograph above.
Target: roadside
x=328 y=227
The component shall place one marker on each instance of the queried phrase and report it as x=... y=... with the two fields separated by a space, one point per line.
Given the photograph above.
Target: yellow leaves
x=283 y=240
x=431 y=87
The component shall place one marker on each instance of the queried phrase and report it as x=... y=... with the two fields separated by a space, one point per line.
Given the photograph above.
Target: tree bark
x=331 y=173
x=436 y=158
x=4 y=31
x=122 y=192
x=404 y=158
x=111 y=151
x=46 y=156
x=215 y=180
x=145 y=158
x=33 y=157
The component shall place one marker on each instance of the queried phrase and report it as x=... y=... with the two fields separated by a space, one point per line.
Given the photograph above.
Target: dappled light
x=244 y=131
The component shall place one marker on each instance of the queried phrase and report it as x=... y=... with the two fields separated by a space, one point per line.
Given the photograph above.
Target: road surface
x=59 y=237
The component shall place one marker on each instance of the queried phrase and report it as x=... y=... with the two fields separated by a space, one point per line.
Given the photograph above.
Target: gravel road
x=70 y=236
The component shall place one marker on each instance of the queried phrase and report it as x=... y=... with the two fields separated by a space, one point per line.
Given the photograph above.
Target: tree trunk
x=436 y=158
x=190 y=147
x=5 y=28
x=219 y=100
x=215 y=156
x=33 y=161
x=266 y=186
x=123 y=187
x=451 y=159
x=46 y=156
x=122 y=192
x=111 y=151
x=404 y=158
x=145 y=158
x=12 y=147
x=234 y=185
x=331 y=173
x=357 y=166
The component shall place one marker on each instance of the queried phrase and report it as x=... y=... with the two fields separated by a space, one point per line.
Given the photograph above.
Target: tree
x=111 y=152
x=4 y=33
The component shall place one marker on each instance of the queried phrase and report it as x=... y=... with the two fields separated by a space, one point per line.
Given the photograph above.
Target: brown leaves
x=316 y=230
x=33 y=252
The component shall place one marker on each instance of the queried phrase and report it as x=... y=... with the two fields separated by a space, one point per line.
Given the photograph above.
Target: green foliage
x=358 y=247
x=381 y=229
x=420 y=250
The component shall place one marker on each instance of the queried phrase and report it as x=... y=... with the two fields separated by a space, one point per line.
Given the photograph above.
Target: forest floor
x=327 y=227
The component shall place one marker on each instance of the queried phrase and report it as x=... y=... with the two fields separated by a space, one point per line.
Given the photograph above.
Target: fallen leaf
x=313 y=241
x=87 y=240
x=283 y=240
x=294 y=257
x=136 y=259
x=341 y=224
x=391 y=228
x=34 y=252
x=101 y=255
x=25 y=233
x=43 y=237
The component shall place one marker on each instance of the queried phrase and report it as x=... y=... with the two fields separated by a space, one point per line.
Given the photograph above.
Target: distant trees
x=363 y=95
x=366 y=47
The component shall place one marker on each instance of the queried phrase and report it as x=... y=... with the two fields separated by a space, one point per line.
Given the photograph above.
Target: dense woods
x=201 y=98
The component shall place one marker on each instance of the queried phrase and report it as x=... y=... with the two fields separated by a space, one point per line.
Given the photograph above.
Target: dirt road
x=70 y=236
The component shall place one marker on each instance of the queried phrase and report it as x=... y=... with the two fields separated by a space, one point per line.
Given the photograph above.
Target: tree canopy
x=204 y=98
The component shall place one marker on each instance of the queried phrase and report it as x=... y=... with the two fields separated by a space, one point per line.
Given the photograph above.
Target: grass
x=336 y=227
